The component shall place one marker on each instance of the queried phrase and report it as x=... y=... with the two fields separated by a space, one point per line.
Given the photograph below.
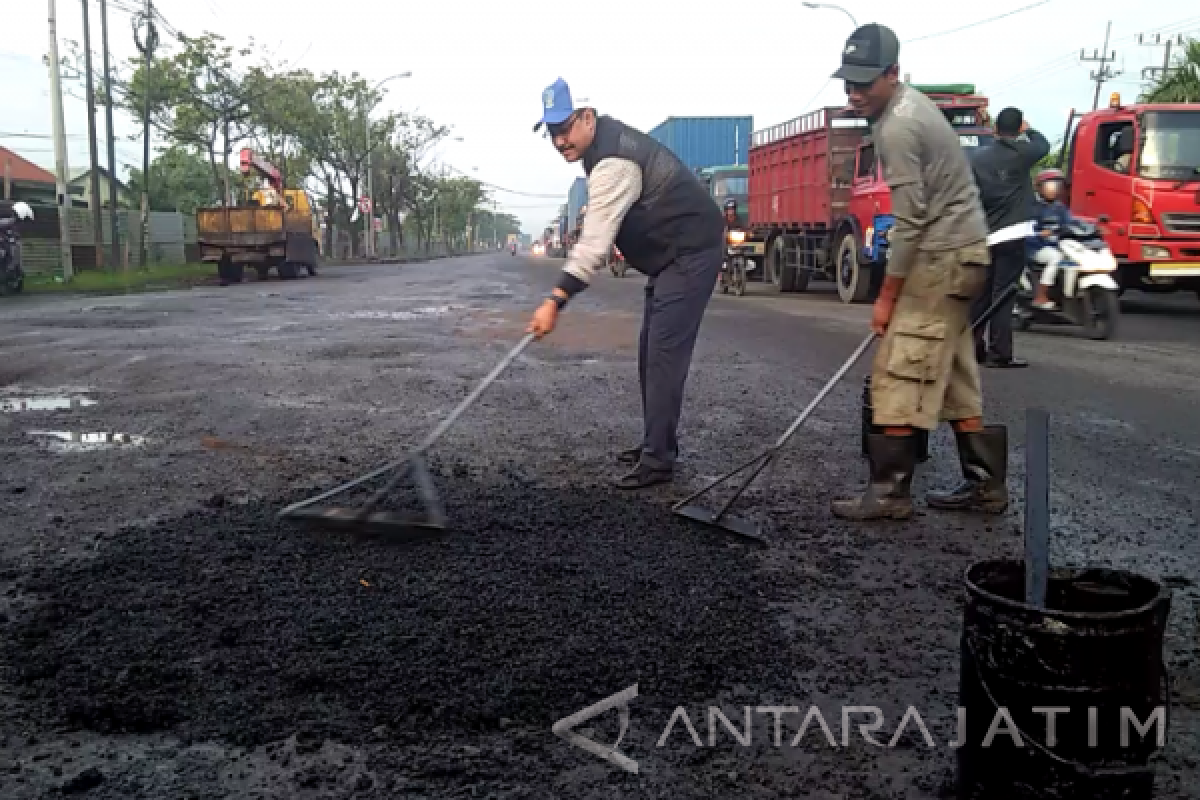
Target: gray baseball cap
x=869 y=51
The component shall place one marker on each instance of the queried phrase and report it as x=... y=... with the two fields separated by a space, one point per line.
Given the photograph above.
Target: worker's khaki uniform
x=925 y=368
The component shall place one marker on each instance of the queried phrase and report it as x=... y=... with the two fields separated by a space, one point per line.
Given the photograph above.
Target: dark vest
x=674 y=214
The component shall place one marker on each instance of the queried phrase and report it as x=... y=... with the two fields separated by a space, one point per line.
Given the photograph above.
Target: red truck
x=1136 y=171
x=818 y=204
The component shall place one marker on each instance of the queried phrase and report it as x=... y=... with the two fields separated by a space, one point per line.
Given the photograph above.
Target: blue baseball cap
x=556 y=104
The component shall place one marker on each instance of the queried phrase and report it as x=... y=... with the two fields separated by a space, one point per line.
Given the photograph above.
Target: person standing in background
x=1002 y=173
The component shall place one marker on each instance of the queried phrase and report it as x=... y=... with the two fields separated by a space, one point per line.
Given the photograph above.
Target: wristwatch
x=560 y=302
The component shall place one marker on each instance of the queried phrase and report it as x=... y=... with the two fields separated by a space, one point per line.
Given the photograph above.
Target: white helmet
x=23 y=210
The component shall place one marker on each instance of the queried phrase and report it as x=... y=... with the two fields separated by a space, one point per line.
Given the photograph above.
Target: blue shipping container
x=706 y=141
x=576 y=199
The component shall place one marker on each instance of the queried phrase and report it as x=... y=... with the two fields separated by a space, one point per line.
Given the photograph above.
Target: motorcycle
x=617 y=263
x=12 y=273
x=1084 y=292
x=736 y=264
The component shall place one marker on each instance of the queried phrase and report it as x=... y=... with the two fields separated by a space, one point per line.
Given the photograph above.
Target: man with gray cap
x=925 y=369
x=644 y=199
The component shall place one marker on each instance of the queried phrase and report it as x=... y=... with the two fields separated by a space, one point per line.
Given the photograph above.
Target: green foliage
x=180 y=180
x=206 y=99
x=1182 y=84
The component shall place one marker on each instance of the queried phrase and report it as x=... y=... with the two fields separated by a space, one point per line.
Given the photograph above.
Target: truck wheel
x=229 y=272
x=263 y=272
x=781 y=275
x=312 y=269
x=288 y=271
x=853 y=278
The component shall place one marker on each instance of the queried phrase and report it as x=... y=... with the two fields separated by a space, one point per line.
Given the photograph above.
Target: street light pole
x=833 y=7
x=370 y=181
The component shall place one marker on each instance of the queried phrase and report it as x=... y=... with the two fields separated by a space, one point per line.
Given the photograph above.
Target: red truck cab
x=1136 y=169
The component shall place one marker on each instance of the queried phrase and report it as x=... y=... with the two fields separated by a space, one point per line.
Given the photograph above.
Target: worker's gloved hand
x=881 y=314
x=543 y=319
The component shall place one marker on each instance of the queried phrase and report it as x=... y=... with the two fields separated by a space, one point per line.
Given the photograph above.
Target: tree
x=1182 y=83
x=200 y=98
x=397 y=166
x=180 y=180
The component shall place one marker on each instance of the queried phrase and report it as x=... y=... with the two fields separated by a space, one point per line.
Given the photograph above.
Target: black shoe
x=984 y=459
x=643 y=476
x=888 y=495
x=631 y=456
x=1006 y=363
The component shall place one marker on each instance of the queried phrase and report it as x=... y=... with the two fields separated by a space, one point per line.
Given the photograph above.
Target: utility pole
x=146 y=45
x=60 y=151
x=1153 y=73
x=115 y=253
x=1104 y=73
x=97 y=220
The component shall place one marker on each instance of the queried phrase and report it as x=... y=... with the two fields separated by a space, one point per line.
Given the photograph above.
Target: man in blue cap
x=644 y=199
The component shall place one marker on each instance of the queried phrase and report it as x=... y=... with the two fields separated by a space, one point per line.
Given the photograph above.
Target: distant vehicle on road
x=818 y=203
x=276 y=229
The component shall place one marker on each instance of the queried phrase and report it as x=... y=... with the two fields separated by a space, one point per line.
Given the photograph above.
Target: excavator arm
x=252 y=163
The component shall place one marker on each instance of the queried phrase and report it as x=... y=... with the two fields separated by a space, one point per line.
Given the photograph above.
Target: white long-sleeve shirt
x=614 y=185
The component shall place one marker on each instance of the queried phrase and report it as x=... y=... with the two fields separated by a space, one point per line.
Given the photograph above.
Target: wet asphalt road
x=167 y=638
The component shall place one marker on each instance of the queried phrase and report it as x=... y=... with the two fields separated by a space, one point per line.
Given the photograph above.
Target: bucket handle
x=1082 y=769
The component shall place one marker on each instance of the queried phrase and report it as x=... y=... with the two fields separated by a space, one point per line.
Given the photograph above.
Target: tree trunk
x=225 y=149
x=329 y=209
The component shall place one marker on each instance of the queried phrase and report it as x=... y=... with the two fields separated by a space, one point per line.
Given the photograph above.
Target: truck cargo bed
x=801 y=170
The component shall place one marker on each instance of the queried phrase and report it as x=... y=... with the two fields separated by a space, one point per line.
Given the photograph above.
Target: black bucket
x=868 y=426
x=1097 y=644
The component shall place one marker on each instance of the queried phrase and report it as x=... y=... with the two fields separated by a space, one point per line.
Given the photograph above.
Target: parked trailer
x=705 y=141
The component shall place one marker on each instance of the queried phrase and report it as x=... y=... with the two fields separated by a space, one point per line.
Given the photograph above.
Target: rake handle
x=450 y=419
x=453 y=416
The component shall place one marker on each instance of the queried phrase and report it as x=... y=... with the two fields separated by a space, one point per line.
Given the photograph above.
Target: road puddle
x=397 y=316
x=72 y=441
x=45 y=402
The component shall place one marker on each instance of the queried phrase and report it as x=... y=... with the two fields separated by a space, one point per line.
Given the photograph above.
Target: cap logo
x=548 y=98
x=858 y=51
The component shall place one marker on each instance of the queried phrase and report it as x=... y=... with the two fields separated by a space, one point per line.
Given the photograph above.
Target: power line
x=977 y=24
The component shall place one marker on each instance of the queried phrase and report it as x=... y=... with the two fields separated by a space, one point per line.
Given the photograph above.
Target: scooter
x=617 y=263
x=1085 y=292
x=12 y=273
x=736 y=265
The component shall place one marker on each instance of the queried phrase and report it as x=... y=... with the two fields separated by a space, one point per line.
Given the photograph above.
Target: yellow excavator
x=277 y=228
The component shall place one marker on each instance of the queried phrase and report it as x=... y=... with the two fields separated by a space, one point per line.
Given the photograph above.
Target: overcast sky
x=481 y=66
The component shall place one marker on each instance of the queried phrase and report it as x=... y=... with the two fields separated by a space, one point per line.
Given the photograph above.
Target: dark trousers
x=675 y=302
x=996 y=337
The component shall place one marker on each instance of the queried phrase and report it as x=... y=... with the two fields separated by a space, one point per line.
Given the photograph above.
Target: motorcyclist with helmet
x=732 y=220
x=1053 y=216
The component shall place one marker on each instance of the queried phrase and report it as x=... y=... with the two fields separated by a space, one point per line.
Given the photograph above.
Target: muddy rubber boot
x=888 y=495
x=984 y=459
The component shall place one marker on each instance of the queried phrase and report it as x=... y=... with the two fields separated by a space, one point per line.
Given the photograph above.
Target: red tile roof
x=22 y=169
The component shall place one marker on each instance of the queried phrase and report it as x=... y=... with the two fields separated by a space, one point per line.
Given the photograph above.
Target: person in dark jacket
x=643 y=198
x=1002 y=172
x=1052 y=217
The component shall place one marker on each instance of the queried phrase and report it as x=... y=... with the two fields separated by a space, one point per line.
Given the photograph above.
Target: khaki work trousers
x=925 y=369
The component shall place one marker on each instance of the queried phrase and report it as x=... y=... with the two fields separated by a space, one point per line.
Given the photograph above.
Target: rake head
x=364 y=519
